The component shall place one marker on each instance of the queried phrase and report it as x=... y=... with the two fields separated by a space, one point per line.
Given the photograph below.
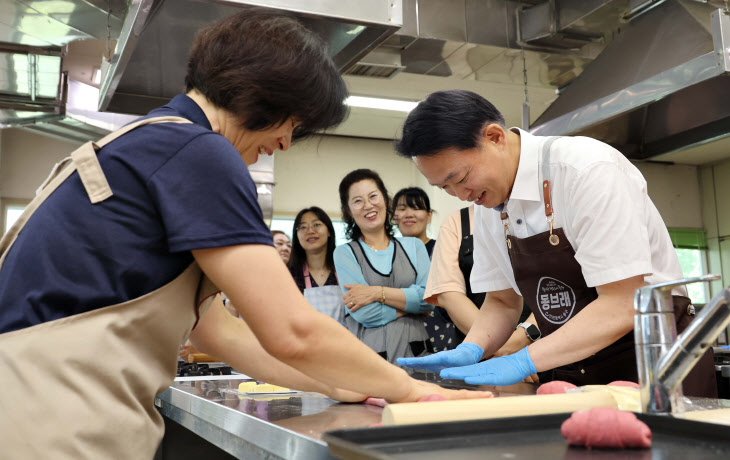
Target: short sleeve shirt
x=176 y=187
x=445 y=274
x=600 y=201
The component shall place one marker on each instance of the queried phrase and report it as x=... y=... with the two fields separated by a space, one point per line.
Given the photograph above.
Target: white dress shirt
x=600 y=201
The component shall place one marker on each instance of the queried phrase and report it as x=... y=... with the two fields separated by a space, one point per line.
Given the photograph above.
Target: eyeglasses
x=304 y=228
x=359 y=203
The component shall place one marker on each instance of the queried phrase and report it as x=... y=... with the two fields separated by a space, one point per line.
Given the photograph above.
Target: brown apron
x=552 y=284
x=83 y=387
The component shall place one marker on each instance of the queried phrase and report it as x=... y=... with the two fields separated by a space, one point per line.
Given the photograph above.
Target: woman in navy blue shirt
x=131 y=239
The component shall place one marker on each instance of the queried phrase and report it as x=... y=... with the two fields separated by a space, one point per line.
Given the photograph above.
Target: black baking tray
x=532 y=437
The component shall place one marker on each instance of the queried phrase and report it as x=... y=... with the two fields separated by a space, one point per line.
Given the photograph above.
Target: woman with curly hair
x=382 y=277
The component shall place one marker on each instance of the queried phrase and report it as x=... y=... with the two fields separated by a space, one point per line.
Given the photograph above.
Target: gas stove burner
x=198 y=369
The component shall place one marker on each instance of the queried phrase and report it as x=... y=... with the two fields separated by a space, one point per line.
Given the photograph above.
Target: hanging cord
x=526 y=103
x=109 y=32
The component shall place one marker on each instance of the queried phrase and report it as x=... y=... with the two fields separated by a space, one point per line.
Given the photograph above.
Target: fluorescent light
x=97 y=76
x=378 y=103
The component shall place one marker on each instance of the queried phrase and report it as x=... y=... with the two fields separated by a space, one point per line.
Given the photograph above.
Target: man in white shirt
x=565 y=223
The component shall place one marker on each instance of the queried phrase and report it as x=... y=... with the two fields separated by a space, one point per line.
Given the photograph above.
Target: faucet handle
x=656 y=297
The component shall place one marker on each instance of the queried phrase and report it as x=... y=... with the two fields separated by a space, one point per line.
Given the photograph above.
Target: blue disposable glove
x=506 y=370
x=464 y=354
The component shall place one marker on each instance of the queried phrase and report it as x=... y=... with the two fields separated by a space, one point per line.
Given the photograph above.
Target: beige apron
x=83 y=387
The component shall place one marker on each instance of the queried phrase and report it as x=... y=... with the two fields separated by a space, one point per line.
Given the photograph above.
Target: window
x=691 y=247
x=11 y=209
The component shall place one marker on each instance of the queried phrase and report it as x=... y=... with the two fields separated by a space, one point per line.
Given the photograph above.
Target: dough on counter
x=380 y=402
x=555 y=387
x=246 y=387
x=255 y=387
x=624 y=383
x=606 y=427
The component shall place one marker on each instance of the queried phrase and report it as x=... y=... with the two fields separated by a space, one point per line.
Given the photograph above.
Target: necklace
x=321 y=273
x=376 y=250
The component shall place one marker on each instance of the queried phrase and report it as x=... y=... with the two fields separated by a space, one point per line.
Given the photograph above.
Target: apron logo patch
x=555 y=300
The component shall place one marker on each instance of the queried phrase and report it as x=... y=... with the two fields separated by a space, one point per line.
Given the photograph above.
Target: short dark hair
x=352 y=231
x=278 y=232
x=298 y=256
x=265 y=67
x=446 y=119
x=415 y=197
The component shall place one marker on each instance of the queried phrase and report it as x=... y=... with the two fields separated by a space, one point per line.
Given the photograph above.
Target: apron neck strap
x=307 y=277
x=465 y=223
x=546 y=175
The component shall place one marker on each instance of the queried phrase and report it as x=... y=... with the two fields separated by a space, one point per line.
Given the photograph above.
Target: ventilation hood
x=150 y=61
x=148 y=66
x=661 y=85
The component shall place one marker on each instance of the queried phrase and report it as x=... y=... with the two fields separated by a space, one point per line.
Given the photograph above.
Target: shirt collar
x=187 y=108
x=527 y=181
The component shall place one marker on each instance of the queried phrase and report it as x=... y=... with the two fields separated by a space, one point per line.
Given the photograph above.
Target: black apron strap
x=465 y=224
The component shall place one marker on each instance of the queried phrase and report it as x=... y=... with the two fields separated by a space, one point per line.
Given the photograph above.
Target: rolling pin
x=201 y=358
x=474 y=409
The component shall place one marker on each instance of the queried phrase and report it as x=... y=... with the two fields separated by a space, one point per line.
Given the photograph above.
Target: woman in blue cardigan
x=382 y=277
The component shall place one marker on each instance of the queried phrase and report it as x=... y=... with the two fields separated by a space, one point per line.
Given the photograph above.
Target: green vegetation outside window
x=691 y=247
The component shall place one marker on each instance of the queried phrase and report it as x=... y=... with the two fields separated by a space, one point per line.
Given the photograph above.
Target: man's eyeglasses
x=304 y=228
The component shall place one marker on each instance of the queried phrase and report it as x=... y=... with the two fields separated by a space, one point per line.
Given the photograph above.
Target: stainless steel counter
x=285 y=426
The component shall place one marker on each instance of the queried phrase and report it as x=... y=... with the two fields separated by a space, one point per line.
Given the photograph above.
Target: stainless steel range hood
x=663 y=84
x=149 y=63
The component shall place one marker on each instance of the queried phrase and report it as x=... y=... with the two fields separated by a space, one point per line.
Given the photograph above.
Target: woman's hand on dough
x=420 y=390
x=338 y=394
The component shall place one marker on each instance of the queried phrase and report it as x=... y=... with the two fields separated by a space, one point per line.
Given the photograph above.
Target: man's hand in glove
x=464 y=354
x=506 y=370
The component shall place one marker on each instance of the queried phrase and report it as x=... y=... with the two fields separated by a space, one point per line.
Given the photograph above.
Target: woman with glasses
x=382 y=277
x=312 y=264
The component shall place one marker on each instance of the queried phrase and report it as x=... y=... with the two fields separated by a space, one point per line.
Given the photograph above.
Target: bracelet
x=382 y=294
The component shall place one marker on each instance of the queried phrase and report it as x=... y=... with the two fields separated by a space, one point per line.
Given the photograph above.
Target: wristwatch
x=533 y=333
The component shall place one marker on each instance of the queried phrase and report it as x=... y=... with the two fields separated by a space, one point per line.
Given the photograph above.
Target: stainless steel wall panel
x=150 y=59
x=82 y=16
x=45 y=29
x=721 y=38
x=491 y=22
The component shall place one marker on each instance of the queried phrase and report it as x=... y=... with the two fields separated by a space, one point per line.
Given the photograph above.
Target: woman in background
x=412 y=213
x=312 y=263
x=382 y=277
x=282 y=243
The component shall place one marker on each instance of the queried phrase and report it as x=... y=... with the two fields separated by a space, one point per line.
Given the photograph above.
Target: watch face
x=533 y=332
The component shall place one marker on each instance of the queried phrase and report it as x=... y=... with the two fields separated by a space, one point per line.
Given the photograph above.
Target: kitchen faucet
x=664 y=359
